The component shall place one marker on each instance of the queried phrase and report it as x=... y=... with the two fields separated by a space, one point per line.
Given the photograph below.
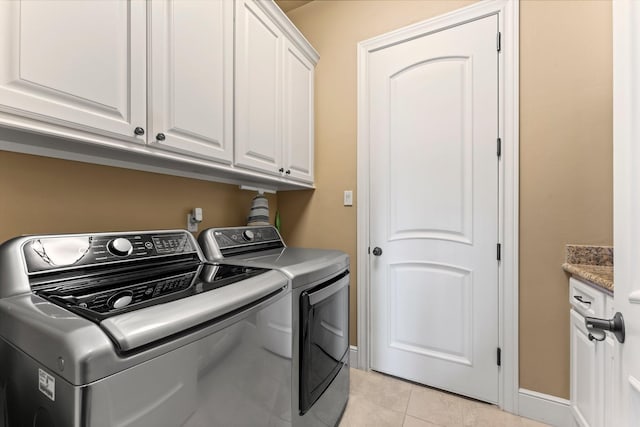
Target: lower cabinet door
x=586 y=375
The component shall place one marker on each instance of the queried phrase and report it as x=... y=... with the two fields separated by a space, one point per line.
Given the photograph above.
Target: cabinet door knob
x=139 y=131
x=281 y=170
x=288 y=172
x=377 y=251
x=161 y=137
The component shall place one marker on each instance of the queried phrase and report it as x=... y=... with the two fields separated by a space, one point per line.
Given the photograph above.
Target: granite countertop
x=591 y=263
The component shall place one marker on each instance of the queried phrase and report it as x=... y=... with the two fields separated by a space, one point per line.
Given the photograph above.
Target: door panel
x=298 y=115
x=416 y=115
x=626 y=209
x=585 y=366
x=78 y=63
x=192 y=77
x=258 y=91
x=428 y=295
x=434 y=198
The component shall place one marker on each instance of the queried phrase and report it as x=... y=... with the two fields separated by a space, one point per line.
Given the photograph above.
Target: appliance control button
x=247 y=235
x=120 y=246
x=121 y=299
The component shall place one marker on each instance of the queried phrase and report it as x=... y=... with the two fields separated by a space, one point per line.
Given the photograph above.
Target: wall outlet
x=348 y=198
x=193 y=219
x=191 y=225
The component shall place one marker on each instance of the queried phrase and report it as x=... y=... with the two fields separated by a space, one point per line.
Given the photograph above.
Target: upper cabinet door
x=298 y=115
x=191 y=73
x=258 y=142
x=77 y=63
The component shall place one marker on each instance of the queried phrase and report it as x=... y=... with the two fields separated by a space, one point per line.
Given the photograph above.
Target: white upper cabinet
x=191 y=77
x=218 y=89
x=298 y=114
x=274 y=93
x=77 y=63
x=258 y=89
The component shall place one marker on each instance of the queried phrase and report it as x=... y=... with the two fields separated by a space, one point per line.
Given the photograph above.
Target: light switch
x=348 y=198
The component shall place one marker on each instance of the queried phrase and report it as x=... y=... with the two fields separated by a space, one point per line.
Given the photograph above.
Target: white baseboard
x=353 y=356
x=544 y=408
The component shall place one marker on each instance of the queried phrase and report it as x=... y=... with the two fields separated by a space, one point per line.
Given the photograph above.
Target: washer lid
x=137 y=328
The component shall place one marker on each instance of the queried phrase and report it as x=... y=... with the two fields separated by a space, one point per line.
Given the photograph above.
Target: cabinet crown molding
x=284 y=23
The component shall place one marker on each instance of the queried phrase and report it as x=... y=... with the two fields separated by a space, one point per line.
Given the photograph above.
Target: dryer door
x=324 y=343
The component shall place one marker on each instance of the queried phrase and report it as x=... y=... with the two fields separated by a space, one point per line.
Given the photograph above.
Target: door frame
x=508 y=197
x=626 y=106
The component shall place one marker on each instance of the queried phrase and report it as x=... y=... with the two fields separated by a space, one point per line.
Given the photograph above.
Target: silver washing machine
x=135 y=329
x=315 y=328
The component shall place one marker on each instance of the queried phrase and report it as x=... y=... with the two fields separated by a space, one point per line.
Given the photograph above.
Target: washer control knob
x=247 y=235
x=121 y=299
x=120 y=246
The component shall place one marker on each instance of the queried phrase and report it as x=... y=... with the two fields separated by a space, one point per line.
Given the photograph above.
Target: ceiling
x=287 y=5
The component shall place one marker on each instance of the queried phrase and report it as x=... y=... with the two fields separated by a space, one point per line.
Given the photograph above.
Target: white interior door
x=626 y=40
x=433 y=104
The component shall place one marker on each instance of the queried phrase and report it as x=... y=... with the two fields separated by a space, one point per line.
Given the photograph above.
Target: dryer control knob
x=247 y=235
x=120 y=247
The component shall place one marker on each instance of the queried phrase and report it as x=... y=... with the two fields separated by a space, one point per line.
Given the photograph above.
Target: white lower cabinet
x=593 y=362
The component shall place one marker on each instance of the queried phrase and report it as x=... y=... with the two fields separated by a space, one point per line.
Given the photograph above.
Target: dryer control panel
x=226 y=242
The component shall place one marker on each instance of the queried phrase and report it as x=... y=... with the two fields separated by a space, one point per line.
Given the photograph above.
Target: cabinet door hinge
x=499 y=252
x=499 y=356
x=499 y=41
x=499 y=147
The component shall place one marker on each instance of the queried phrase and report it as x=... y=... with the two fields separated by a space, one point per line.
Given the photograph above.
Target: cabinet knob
x=139 y=131
x=161 y=137
x=288 y=172
x=281 y=170
x=377 y=251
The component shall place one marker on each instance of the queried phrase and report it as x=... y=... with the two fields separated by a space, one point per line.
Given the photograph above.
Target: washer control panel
x=47 y=253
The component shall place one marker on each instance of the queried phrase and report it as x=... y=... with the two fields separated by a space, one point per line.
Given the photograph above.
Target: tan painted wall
x=43 y=195
x=566 y=151
x=566 y=170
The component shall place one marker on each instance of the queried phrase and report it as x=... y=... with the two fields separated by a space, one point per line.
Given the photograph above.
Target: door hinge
x=499 y=252
x=499 y=149
x=499 y=356
x=499 y=41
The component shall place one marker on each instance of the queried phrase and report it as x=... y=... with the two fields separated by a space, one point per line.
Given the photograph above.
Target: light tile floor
x=377 y=400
